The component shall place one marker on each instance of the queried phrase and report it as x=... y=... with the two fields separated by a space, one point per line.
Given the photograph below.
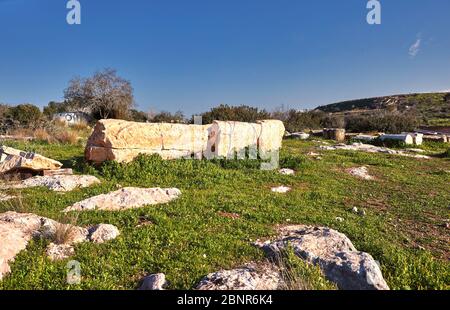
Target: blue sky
x=191 y=55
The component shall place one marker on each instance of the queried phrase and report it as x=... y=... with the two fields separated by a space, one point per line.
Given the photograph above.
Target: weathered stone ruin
x=17 y=162
x=123 y=141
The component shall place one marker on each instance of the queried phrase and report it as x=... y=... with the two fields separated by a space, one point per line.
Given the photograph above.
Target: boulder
x=251 y=277
x=334 y=253
x=154 y=282
x=58 y=183
x=103 y=232
x=17 y=229
x=16 y=160
x=126 y=198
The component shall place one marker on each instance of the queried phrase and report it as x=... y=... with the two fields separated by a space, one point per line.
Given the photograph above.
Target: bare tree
x=104 y=95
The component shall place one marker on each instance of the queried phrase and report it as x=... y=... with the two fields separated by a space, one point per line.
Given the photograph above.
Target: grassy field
x=404 y=226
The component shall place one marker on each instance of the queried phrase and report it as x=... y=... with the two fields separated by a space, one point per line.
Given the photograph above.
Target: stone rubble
x=370 y=149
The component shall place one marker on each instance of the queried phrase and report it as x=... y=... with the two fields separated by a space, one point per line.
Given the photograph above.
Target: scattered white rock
x=251 y=277
x=281 y=189
x=370 y=149
x=286 y=171
x=58 y=183
x=300 y=135
x=59 y=251
x=126 y=198
x=355 y=210
x=154 y=282
x=339 y=219
x=334 y=253
x=103 y=232
x=360 y=172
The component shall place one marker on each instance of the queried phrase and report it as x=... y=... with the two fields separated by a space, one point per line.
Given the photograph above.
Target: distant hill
x=433 y=109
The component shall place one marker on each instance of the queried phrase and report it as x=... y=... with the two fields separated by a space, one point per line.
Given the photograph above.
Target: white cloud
x=415 y=48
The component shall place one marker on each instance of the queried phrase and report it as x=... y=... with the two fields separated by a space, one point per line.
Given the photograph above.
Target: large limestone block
x=227 y=138
x=271 y=136
x=12 y=159
x=120 y=134
x=184 y=137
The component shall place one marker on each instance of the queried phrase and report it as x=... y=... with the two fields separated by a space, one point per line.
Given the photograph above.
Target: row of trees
x=107 y=95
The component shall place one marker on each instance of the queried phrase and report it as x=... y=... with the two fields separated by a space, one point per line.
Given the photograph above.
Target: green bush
x=241 y=113
x=26 y=114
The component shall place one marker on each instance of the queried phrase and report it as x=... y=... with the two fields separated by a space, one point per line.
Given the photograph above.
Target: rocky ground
x=335 y=216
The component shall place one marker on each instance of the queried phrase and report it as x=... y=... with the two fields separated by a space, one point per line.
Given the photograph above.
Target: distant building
x=72 y=118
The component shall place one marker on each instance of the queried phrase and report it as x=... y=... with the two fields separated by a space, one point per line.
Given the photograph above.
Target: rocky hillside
x=432 y=108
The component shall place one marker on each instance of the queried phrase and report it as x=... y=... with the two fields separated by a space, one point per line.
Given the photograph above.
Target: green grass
x=186 y=239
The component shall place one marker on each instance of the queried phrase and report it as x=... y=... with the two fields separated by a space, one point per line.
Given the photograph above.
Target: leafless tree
x=104 y=95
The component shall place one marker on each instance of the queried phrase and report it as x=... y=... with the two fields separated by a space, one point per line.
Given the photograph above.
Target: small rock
x=281 y=189
x=154 y=282
x=59 y=251
x=362 y=212
x=360 y=172
x=355 y=210
x=103 y=232
x=286 y=171
x=339 y=219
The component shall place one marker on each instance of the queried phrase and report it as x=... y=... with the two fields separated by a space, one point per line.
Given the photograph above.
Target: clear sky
x=191 y=55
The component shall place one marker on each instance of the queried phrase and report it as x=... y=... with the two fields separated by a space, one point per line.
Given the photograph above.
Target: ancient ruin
x=123 y=141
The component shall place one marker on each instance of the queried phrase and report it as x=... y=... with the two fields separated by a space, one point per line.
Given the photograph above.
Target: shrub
x=167 y=117
x=385 y=122
x=241 y=113
x=26 y=114
x=295 y=120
